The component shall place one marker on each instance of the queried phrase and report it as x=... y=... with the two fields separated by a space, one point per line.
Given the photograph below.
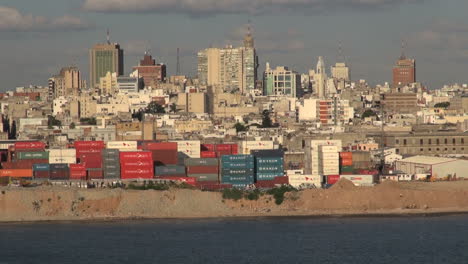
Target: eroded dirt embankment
x=55 y=203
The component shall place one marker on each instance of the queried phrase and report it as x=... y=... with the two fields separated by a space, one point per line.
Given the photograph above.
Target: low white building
x=434 y=166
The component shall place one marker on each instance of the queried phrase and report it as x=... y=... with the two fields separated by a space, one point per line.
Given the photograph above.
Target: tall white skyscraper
x=320 y=78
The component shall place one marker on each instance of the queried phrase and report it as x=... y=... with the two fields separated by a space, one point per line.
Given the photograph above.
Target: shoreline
x=332 y=215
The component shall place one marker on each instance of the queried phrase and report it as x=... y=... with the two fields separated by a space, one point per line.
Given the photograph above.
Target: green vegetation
x=368 y=113
x=254 y=195
x=72 y=125
x=155 y=108
x=442 y=105
x=233 y=194
x=240 y=127
x=149 y=186
x=278 y=193
x=266 y=120
x=52 y=121
x=88 y=121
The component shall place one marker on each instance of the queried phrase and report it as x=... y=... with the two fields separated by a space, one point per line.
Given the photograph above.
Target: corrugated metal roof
x=427 y=160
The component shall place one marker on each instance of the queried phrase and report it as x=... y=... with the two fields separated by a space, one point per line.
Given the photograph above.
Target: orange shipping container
x=16 y=173
x=346 y=155
x=347 y=162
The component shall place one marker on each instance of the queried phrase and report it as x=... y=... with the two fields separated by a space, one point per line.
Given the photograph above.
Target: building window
x=446 y=141
x=421 y=150
x=446 y=149
x=421 y=142
x=454 y=149
x=397 y=151
x=404 y=142
x=397 y=141
x=463 y=141
x=430 y=141
x=453 y=141
x=437 y=141
x=438 y=149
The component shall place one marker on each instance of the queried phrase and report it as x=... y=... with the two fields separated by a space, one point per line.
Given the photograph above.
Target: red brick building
x=151 y=72
x=404 y=71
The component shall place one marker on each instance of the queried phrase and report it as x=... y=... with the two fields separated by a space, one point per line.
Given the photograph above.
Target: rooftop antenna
x=403 y=47
x=108 y=36
x=340 y=52
x=178 y=62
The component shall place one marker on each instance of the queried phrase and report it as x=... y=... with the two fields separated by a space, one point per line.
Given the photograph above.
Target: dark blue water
x=275 y=240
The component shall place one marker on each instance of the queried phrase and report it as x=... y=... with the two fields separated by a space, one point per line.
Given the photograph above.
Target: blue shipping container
x=268 y=176
x=236 y=158
x=269 y=161
x=237 y=165
x=237 y=172
x=271 y=168
x=169 y=170
x=237 y=179
x=41 y=167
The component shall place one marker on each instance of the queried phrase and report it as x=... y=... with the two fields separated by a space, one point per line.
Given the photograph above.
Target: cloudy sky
x=38 y=37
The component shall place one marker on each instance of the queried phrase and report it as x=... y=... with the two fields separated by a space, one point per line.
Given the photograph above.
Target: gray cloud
x=12 y=20
x=197 y=7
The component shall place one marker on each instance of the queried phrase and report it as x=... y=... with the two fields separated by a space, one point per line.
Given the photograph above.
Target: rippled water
x=264 y=240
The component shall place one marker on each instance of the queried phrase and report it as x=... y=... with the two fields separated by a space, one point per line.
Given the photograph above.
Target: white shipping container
x=330 y=155
x=294 y=172
x=247 y=146
x=305 y=181
x=62 y=160
x=122 y=145
x=62 y=152
x=328 y=149
x=359 y=180
x=190 y=148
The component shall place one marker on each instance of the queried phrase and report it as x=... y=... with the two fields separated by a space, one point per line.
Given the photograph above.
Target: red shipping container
x=136 y=173
x=89 y=145
x=136 y=155
x=41 y=174
x=80 y=152
x=265 y=184
x=202 y=170
x=281 y=180
x=77 y=167
x=22 y=164
x=346 y=162
x=221 y=153
x=160 y=146
x=91 y=160
x=208 y=154
x=346 y=155
x=78 y=175
x=207 y=147
x=165 y=157
x=136 y=163
x=189 y=180
x=95 y=174
x=332 y=179
x=235 y=149
x=224 y=147
x=29 y=145
x=16 y=173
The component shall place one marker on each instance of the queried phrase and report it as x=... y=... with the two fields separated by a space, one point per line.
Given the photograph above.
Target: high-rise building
x=68 y=82
x=104 y=58
x=281 y=81
x=232 y=69
x=404 y=71
x=320 y=79
x=340 y=71
x=151 y=72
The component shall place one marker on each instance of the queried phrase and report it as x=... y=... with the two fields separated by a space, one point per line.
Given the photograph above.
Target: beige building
x=103 y=58
x=188 y=126
x=340 y=71
x=423 y=143
x=68 y=82
x=402 y=103
x=459 y=103
x=87 y=106
x=108 y=83
x=196 y=103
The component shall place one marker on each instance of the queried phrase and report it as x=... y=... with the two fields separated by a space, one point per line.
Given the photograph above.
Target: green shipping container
x=33 y=155
x=347 y=169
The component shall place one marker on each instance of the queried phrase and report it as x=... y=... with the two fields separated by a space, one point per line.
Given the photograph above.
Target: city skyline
x=40 y=42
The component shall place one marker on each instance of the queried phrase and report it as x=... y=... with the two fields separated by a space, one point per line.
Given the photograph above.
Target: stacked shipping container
x=237 y=170
x=136 y=165
x=204 y=170
x=346 y=163
x=269 y=164
x=111 y=163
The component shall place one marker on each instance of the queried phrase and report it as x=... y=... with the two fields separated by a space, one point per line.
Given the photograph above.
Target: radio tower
x=178 y=63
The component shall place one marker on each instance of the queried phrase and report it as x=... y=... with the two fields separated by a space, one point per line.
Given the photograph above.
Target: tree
x=52 y=121
x=72 y=125
x=368 y=113
x=173 y=108
x=138 y=115
x=442 y=105
x=266 y=120
x=240 y=127
x=155 y=108
x=12 y=134
x=6 y=125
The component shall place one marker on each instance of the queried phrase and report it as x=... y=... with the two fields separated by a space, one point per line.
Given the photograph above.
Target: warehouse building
x=434 y=166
